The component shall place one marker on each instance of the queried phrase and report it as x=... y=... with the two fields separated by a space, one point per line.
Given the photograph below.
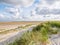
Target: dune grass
x=39 y=35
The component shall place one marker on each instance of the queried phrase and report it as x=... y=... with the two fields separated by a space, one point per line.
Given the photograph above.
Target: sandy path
x=4 y=37
x=55 y=39
x=9 y=38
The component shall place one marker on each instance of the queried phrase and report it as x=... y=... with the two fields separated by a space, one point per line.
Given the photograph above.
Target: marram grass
x=39 y=35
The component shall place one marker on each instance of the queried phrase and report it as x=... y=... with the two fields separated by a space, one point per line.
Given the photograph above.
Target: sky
x=29 y=10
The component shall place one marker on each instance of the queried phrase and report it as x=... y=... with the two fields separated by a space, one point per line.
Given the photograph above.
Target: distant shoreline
x=23 y=22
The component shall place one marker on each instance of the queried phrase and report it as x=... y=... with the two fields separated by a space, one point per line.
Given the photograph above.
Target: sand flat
x=12 y=25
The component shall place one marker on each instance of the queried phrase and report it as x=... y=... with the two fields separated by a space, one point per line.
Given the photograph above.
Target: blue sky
x=29 y=10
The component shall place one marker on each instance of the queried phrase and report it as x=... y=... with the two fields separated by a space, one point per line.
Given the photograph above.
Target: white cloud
x=15 y=12
x=2 y=16
x=56 y=4
x=44 y=7
x=18 y=2
x=27 y=2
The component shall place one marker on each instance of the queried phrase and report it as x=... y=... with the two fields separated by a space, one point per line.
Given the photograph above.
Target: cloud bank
x=18 y=2
x=47 y=7
x=31 y=10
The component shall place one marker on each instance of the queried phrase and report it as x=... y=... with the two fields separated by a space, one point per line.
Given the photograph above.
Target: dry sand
x=12 y=25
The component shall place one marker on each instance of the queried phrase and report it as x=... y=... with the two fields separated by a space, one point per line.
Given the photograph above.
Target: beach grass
x=39 y=34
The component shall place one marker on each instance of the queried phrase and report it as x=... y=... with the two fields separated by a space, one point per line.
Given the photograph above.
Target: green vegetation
x=23 y=27
x=39 y=35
